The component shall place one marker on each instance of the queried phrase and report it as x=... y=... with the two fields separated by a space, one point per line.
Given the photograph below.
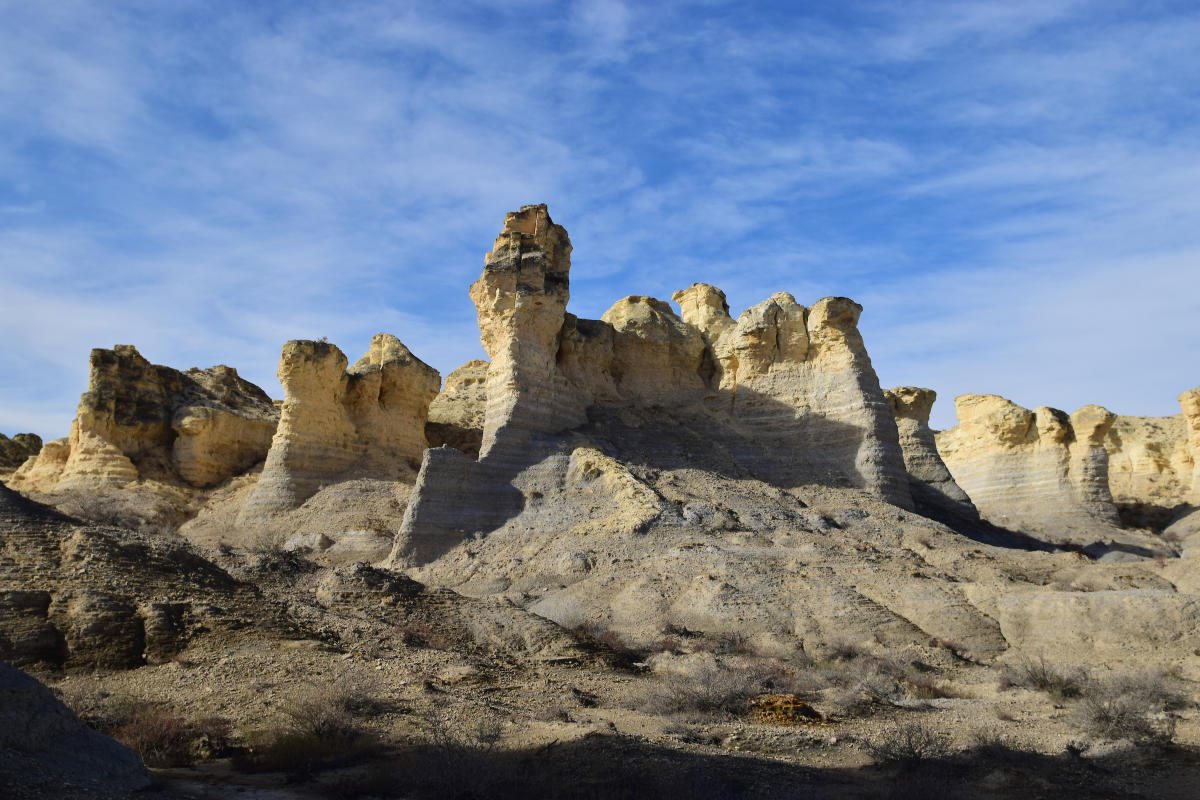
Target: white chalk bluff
x=786 y=393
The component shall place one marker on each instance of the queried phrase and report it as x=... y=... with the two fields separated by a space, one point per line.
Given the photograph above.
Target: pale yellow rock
x=1033 y=470
x=1189 y=401
x=1149 y=468
x=42 y=472
x=521 y=299
x=338 y=424
x=656 y=356
x=139 y=420
x=456 y=415
x=935 y=494
x=789 y=392
x=804 y=375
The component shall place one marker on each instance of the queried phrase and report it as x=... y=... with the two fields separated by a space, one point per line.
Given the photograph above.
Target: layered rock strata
x=456 y=415
x=79 y=596
x=1037 y=471
x=935 y=494
x=15 y=451
x=1152 y=464
x=143 y=420
x=1189 y=401
x=339 y=423
x=788 y=390
x=803 y=373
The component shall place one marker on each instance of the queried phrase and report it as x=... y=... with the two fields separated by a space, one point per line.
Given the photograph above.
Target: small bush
x=909 y=743
x=1130 y=708
x=1041 y=676
x=720 y=690
x=414 y=633
x=160 y=738
x=844 y=650
x=320 y=731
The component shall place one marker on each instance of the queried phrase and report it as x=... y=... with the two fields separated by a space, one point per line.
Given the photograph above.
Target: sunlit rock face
x=787 y=392
x=139 y=420
x=933 y=488
x=339 y=423
x=1039 y=471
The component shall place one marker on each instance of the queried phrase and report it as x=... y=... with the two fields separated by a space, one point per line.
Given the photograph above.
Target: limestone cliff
x=456 y=414
x=1038 y=471
x=338 y=424
x=1152 y=463
x=935 y=494
x=143 y=420
x=802 y=377
x=1189 y=401
x=787 y=392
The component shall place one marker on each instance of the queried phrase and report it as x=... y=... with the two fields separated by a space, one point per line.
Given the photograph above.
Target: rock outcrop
x=1189 y=401
x=79 y=596
x=15 y=451
x=339 y=424
x=934 y=492
x=44 y=747
x=143 y=420
x=803 y=374
x=1038 y=471
x=1152 y=465
x=456 y=414
x=788 y=391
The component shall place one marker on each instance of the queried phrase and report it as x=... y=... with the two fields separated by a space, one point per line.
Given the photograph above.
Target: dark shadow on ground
x=603 y=767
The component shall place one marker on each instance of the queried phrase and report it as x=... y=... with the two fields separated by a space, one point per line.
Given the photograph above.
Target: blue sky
x=1011 y=189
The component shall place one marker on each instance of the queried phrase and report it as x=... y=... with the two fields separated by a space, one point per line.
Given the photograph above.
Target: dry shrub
x=320 y=731
x=1130 y=707
x=844 y=650
x=1041 y=676
x=162 y=739
x=414 y=633
x=718 y=690
x=909 y=743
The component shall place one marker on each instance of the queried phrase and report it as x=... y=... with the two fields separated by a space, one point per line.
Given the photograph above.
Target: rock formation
x=456 y=414
x=804 y=374
x=15 y=451
x=45 y=748
x=788 y=390
x=72 y=595
x=1036 y=471
x=338 y=424
x=143 y=420
x=1189 y=401
x=935 y=494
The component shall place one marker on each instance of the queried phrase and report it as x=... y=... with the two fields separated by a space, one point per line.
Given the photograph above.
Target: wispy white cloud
x=1008 y=188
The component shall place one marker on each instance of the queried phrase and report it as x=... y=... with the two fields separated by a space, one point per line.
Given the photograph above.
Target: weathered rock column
x=521 y=302
x=933 y=488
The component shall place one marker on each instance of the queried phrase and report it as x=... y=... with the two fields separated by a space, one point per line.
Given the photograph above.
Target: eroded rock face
x=933 y=488
x=15 y=451
x=143 y=420
x=456 y=414
x=1149 y=468
x=521 y=299
x=1189 y=401
x=789 y=391
x=801 y=376
x=78 y=596
x=338 y=424
x=1036 y=471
